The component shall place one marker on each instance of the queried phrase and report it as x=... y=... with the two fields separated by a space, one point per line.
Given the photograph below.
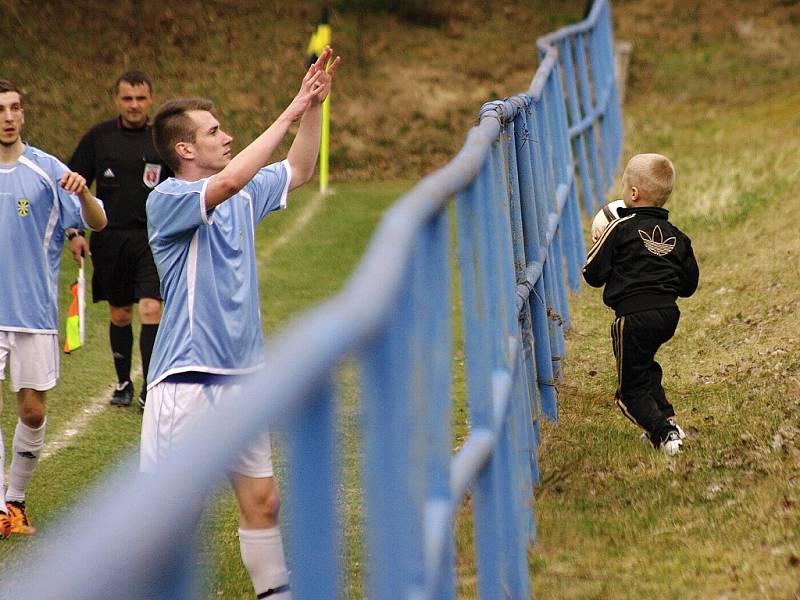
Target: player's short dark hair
x=171 y=125
x=6 y=85
x=133 y=78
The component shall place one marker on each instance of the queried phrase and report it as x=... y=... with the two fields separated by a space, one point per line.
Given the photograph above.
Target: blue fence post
x=570 y=217
x=553 y=267
x=528 y=409
x=565 y=54
x=392 y=512
x=433 y=346
x=556 y=224
x=604 y=82
x=473 y=240
x=508 y=420
x=588 y=109
x=544 y=326
x=312 y=477
x=603 y=62
x=525 y=138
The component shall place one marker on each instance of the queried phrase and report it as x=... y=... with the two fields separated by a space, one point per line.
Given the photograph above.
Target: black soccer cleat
x=123 y=394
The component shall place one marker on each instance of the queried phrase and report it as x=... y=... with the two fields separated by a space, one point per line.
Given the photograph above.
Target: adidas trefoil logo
x=108 y=173
x=656 y=243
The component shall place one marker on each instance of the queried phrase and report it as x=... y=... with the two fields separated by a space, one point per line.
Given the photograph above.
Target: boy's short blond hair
x=653 y=175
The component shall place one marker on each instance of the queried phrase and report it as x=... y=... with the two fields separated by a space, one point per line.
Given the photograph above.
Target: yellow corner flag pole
x=325 y=144
x=320 y=39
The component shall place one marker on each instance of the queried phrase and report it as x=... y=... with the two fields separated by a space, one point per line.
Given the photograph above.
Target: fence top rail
x=551 y=39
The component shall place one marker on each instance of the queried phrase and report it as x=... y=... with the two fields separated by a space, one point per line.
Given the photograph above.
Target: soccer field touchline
x=301 y=220
x=78 y=423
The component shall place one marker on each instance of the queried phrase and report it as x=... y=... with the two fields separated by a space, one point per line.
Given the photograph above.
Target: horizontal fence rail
x=519 y=247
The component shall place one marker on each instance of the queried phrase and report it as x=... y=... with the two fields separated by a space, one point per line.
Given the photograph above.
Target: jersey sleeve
x=269 y=188
x=175 y=209
x=83 y=159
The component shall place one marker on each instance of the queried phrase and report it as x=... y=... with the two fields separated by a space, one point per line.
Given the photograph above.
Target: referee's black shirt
x=125 y=165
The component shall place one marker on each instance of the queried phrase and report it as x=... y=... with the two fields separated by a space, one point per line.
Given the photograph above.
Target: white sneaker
x=671 y=444
x=672 y=421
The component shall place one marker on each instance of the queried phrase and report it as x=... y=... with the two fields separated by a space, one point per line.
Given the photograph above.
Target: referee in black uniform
x=119 y=155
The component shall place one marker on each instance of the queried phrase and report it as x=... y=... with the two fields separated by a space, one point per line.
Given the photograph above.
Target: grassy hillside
x=404 y=99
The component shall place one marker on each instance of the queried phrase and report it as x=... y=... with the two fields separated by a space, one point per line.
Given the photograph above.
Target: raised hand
x=315 y=87
x=322 y=86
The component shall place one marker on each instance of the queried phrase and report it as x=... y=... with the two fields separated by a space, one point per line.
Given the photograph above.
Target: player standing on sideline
x=202 y=232
x=119 y=154
x=37 y=204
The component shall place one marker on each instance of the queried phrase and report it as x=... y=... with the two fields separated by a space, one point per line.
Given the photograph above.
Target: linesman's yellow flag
x=75 y=331
x=317 y=43
x=319 y=39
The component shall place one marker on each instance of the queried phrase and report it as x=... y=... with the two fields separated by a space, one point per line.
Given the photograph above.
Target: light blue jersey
x=34 y=212
x=206 y=261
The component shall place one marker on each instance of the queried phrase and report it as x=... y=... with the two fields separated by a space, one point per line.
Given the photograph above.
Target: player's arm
x=304 y=150
x=256 y=155
x=91 y=208
x=82 y=161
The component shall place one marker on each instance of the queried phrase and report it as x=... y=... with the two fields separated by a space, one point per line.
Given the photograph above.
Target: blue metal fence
x=519 y=246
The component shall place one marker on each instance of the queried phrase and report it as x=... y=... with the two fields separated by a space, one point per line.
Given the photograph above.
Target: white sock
x=262 y=555
x=27 y=447
x=2 y=474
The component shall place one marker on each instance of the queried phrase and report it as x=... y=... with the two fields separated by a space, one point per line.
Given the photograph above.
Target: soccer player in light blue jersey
x=201 y=227
x=39 y=199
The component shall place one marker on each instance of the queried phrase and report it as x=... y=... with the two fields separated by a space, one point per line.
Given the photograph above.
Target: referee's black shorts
x=124 y=270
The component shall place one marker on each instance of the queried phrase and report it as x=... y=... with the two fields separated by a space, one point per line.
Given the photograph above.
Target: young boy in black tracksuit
x=645 y=263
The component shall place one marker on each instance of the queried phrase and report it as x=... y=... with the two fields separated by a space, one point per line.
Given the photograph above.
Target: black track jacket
x=644 y=261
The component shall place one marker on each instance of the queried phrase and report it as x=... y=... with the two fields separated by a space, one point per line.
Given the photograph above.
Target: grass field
x=713 y=85
x=721 y=521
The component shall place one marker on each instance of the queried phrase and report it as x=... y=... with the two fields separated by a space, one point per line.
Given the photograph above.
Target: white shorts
x=34 y=359
x=171 y=411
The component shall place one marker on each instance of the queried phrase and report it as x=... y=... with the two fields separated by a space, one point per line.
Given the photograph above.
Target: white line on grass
x=303 y=218
x=78 y=424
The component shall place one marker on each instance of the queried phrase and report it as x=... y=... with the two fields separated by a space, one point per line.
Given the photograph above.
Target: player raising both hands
x=201 y=230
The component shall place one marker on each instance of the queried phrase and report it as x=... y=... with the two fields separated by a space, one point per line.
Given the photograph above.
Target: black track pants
x=636 y=339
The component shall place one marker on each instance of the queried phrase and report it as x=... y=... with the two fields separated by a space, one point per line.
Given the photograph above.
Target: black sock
x=121 y=348
x=147 y=338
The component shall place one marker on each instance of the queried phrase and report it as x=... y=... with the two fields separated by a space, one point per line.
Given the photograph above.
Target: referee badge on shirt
x=151 y=175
